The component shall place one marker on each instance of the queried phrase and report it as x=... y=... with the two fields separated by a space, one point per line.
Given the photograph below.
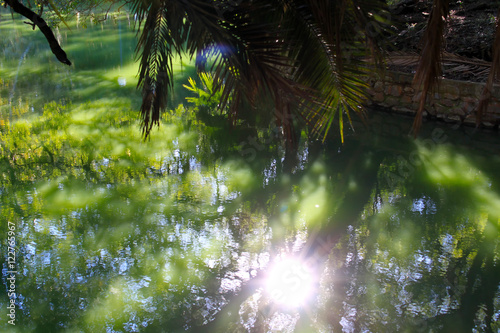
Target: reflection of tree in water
x=161 y=236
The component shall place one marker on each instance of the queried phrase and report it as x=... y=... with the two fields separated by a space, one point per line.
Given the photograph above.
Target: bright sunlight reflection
x=289 y=282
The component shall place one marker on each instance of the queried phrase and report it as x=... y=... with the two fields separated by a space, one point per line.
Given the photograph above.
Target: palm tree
x=429 y=68
x=304 y=55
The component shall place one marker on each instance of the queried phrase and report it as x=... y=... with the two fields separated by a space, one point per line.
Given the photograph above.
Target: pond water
x=206 y=229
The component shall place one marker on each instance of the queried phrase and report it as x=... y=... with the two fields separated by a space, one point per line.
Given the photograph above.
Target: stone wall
x=452 y=100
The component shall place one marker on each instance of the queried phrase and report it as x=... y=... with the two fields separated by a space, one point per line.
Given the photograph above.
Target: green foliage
x=208 y=92
x=99 y=140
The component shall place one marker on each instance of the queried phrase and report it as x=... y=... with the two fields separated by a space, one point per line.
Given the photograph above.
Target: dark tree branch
x=44 y=28
x=40 y=14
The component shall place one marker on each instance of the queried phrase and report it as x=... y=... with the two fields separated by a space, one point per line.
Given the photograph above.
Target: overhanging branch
x=44 y=28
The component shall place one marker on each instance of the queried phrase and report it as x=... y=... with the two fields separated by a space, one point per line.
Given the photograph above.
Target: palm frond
x=429 y=69
x=492 y=76
x=159 y=44
x=305 y=55
x=252 y=62
x=334 y=47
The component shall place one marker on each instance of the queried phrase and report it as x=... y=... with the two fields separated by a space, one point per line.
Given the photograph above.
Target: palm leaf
x=162 y=33
x=335 y=49
x=303 y=54
x=429 y=69
x=492 y=76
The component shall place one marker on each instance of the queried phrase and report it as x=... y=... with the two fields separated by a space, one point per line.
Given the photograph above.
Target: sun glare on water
x=290 y=283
